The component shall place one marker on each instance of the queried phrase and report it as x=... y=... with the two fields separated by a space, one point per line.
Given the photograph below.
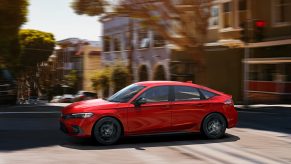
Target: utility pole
x=131 y=48
x=246 y=57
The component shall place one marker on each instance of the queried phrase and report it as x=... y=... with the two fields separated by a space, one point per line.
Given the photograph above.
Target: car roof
x=157 y=83
x=188 y=83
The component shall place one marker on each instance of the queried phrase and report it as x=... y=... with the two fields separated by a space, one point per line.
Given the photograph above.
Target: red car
x=151 y=107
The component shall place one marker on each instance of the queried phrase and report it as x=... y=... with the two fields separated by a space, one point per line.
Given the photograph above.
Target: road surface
x=30 y=134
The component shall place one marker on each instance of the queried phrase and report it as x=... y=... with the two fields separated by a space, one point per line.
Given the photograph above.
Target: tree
x=72 y=79
x=36 y=46
x=119 y=78
x=101 y=81
x=12 y=16
x=183 y=24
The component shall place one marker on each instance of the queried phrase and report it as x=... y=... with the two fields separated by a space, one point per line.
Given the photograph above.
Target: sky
x=57 y=17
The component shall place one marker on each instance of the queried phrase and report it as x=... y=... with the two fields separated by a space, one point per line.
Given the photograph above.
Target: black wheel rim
x=108 y=132
x=215 y=127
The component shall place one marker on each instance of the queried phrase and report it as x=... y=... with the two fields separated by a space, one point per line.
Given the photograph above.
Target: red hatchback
x=151 y=107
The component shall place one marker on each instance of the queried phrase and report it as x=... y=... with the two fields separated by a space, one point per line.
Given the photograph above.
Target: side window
x=207 y=94
x=186 y=93
x=156 y=94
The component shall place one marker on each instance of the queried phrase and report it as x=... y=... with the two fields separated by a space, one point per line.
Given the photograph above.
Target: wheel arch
x=121 y=124
x=201 y=124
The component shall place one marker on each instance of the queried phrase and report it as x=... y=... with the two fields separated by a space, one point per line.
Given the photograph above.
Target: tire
x=214 y=126
x=107 y=131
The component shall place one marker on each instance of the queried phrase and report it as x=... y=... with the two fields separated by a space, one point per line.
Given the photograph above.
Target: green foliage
x=119 y=78
x=88 y=7
x=101 y=81
x=72 y=78
x=12 y=16
x=36 y=46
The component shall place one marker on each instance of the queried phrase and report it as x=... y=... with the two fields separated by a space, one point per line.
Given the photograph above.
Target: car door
x=154 y=115
x=187 y=107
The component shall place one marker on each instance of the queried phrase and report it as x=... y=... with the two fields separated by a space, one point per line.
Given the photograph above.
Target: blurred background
x=240 y=47
x=53 y=53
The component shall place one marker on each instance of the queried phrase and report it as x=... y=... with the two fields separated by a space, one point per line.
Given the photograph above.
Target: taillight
x=228 y=102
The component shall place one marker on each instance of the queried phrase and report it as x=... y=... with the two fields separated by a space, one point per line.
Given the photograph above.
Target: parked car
x=84 y=95
x=8 y=89
x=56 y=99
x=151 y=107
x=67 y=98
x=42 y=99
x=32 y=100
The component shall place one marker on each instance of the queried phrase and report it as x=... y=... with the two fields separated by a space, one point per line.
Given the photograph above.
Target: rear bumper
x=232 y=118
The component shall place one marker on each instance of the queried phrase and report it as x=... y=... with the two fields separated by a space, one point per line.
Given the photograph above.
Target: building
x=257 y=70
x=91 y=55
x=152 y=58
x=68 y=61
x=265 y=71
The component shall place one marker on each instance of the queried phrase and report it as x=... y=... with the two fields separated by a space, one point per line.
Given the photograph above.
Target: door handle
x=165 y=106
x=199 y=105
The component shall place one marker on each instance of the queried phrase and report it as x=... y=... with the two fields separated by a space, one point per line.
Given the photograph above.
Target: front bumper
x=77 y=127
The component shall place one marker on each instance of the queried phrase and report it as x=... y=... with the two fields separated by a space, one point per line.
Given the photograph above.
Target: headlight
x=78 y=115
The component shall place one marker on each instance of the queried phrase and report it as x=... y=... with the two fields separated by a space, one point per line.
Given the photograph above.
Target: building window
x=116 y=42
x=263 y=72
x=128 y=40
x=282 y=11
x=227 y=10
x=106 y=43
x=242 y=11
x=214 y=17
x=158 y=40
x=143 y=39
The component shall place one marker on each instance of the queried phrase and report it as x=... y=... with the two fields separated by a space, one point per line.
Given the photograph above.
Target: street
x=30 y=134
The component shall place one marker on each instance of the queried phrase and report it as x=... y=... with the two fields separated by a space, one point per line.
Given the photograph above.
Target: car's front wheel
x=107 y=131
x=214 y=126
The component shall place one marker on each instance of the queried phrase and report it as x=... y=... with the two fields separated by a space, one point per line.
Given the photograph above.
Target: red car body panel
x=151 y=117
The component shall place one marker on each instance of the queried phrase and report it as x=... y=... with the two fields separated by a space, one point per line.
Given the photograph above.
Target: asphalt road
x=30 y=134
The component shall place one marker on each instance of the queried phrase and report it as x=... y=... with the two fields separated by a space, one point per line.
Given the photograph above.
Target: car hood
x=89 y=105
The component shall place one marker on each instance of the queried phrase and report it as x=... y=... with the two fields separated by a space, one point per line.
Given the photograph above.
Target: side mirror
x=138 y=102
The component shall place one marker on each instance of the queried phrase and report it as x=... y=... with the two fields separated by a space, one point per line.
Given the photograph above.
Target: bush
x=101 y=81
x=119 y=78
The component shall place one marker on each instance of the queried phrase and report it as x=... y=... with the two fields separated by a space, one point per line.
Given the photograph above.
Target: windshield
x=126 y=93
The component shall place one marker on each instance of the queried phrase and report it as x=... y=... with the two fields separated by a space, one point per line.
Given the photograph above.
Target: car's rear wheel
x=214 y=126
x=107 y=131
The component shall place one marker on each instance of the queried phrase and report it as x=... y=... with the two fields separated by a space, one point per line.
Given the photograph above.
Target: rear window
x=183 y=93
x=207 y=94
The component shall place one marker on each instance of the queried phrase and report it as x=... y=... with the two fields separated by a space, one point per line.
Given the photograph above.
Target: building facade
x=261 y=65
x=91 y=63
x=152 y=58
x=247 y=50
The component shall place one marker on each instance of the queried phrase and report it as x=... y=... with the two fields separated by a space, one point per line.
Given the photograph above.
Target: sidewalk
x=264 y=106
